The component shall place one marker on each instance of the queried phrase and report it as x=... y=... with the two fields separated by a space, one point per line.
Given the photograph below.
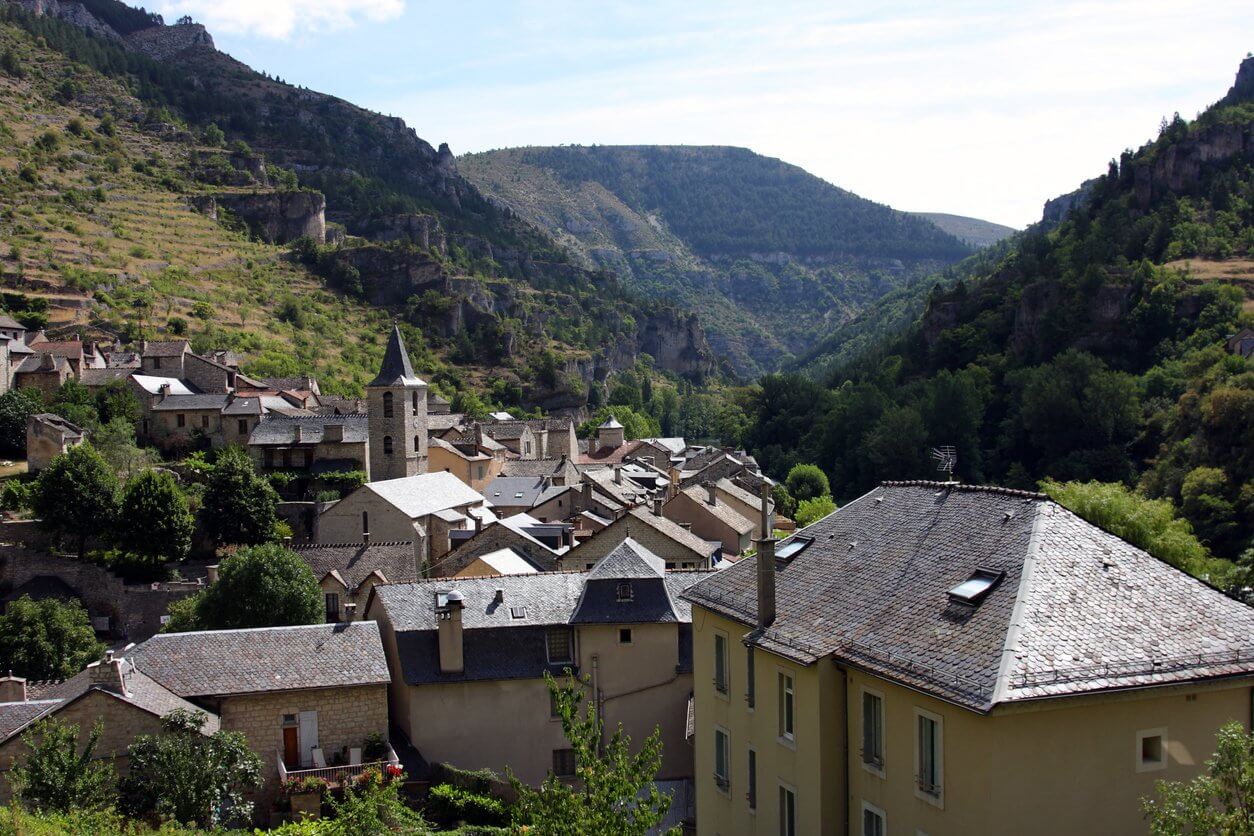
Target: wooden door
x=291 y=748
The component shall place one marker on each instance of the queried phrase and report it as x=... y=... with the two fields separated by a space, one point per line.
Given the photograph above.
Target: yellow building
x=949 y=659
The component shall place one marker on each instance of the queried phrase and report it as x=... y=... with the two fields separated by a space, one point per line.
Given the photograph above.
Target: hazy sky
x=983 y=109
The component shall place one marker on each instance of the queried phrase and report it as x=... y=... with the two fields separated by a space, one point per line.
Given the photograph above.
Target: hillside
x=972 y=231
x=1093 y=346
x=122 y=146
x=767 y=255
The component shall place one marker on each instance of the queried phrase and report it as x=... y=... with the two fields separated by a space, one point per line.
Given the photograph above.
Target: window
x=750 y=688
x=365 y=522
x=417 y=444
x=415 y=403
x=1151 y=750
x=241 y=426
x=792 y=548
x=975 y=588
x=387 y=445
x=517 y=612
x=720 y=663
x=787 y=811
x=872 y=820
x=480 y=471
x=929 y=756
x=156 y=362
x=180 y=420
x=204 y=421
x=787 y=706
x=558 y=644
x=564 y=762
x=752 y=776
x=873 y=731
x=722 y=766
x=387 y=404
x=624 y=635
x=332 y=600
x=670 y=564
x=624 y=591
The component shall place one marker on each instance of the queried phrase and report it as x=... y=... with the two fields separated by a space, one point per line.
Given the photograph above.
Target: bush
x=16 y=495
x=449 y=804
x=812 y=510
x=807 y=481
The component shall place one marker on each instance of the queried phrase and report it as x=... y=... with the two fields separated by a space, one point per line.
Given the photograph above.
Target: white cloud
x=280 y=19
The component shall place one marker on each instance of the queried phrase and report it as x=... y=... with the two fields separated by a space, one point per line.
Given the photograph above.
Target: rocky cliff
x=274 y=217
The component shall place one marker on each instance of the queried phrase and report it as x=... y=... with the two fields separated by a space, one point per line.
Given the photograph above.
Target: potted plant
x=305 y=796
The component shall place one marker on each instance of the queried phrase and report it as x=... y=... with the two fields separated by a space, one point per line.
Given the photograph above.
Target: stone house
x=48 y=436
x=956 y=659
x=78 y=354
x=43 y=371
x=11 y=329
x=711 y=517
x=311 y=444
x=743 y=502
x=518 y=437
x=164 y=358
x=423 y=509
x=678 y=547
x=208 y=375
x=468 y=656
x=514 y=534
x=348 y=571
x=1242 y=343
x=179 y=422
x=473 y=462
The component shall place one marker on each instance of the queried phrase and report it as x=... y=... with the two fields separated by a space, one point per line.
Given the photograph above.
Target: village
x=897 y=651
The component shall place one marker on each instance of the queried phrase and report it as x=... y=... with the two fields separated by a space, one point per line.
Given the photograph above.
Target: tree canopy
x=48 y=639
x=155 y=521
x=239 y=506
x=260 y=586
x=77 y=495
x=57 y=774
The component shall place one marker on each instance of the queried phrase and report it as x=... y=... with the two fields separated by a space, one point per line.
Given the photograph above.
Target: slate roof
x=123 y=360
x=16 y=716
x=396 y=369
x=226 y=662
x=610 y=423
x=166 y=348
x=1076 y=609
x=542 y=467
x=281 y=429
x=671 y=529
x=674 y=446
x=418 y=496
x=506 y=430
x=720 y=510
x=355 y=562
x=175 y=403
x=628 y=559
x=10 y=323
x=56 y=421
x=445 y=445
x=243 y=406
x=34 y=363
x=508 y=561
x=514 y=491
x=609 y=455
x=101 y=377
x=439 y=423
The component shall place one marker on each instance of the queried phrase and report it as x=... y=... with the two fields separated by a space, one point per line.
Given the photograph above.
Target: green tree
x=155 y=521
x=115 y=441
x=116 y=400
x=261 y=586
x=58 y=774
x=189 y=777
x=1219 y=802
x=785 y=504
x=810 y=511
x=1204 y=500
x=635 y=425
x=16 y=407
x=372 y=806
x=48 y=639
x=77 y=495
x=615 y=793
x=75 y=403
x=239 y=506
x=807 y=481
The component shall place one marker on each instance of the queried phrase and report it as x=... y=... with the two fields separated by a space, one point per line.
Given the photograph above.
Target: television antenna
x=946 y=459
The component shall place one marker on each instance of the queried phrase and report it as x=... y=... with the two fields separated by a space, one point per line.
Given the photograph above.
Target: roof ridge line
x=300 y=546
x=963 y=487
x=1026 y=573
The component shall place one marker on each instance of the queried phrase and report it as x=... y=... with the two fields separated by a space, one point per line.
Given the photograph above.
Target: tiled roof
x=418 y=496
x=67 y=427
x=439 y=423
x=723 y=512
x=175 y=403
x=10 y=323
x=671 y=529
x=1075 y=608
x=629 y=559
x=281 y=430
x=16 y=716
x=541 y=467
x=449 y=447
x=123 y=360
x=609 y=455
x=100 y=377
x=60 y=348
x=674 y=446
x=167 y=348
x=35 y=363
x=730 y=487
x=357 y=561
x=225 y=662
x=396 y=369
x=506 y=430
x=243 y=406
x=514 y=491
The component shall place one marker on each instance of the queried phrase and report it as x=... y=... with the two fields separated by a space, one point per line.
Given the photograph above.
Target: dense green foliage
x=260 y=586
x=77 y=495
x=188 y=777
x=57 y=774
x=807 y=481
x=16 y=407
x=1220 y=801
x=155 y=521
x=810 y=511
x=448 y=804
x=1079 y=355
x=48 y=639
x=239 y=506
x=615 y=793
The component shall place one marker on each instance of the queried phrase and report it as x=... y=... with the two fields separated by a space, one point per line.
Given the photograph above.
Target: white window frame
x=937 y=800
x=863 y=692
x=1151 y=766
x=724 y=790
x=723 y=693
x=786 y=737
x=868 y=807
x=779 y=802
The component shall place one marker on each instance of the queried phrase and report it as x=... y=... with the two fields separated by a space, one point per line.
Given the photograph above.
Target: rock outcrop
x=1057 y=208
x=70 y=12
x=162 y=43
x=420 y=230
x=274 y=217
x=1178 y=168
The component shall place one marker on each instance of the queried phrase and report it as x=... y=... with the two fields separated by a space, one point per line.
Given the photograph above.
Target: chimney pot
x=449 y=621
x=618 y=474
x=350 y=610
x=711 y=495
x=657 y=506
x=499 y=597
x=365 y=538
x=12 y=688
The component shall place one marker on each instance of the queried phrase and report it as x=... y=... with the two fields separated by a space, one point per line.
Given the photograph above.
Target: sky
x=984 y=109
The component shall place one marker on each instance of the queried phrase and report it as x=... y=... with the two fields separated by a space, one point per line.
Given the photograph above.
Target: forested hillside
x=1094 y=349
x=768 y=255
x=120 y=136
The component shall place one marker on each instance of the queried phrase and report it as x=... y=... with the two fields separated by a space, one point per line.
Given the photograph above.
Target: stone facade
x=48 y=436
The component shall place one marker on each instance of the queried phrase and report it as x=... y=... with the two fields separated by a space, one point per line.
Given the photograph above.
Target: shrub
x=449 y=804
x=16 y=495
x=810 y=511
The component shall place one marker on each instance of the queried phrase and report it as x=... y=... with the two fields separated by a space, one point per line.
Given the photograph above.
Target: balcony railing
x=337 y=775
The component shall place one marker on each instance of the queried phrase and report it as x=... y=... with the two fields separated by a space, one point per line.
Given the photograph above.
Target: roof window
x=975 y=588
x=517 y=612
x=793 y=547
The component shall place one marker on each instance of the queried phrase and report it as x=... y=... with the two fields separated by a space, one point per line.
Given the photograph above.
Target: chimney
x=618 y=474
x=300 y=433
x=587 y=495
x=499 y=597
x=686 y=526
x=365 y=538
x=657 y=506
x=766 y=563
x=478 y=522
x=333 y=433
x=449 y=619
x=12 y=688
x=711 y=495
x=47 y=363
x=107 y=673
x=212 y=573
x=163 y=391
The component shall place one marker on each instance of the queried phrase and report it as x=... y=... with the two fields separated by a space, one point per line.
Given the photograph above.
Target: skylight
x=974 y=589
x=517 y=612
x=793 y=547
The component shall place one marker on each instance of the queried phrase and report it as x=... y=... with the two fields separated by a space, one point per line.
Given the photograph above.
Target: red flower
x=393 y=771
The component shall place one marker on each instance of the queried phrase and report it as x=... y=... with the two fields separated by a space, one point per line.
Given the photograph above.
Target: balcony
x=336 y=775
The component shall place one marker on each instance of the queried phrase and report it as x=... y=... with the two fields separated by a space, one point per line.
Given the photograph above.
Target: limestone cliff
x=274 y=217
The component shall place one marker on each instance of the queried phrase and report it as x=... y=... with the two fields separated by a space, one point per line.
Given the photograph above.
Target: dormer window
x=976 y=588
x=624 y=592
